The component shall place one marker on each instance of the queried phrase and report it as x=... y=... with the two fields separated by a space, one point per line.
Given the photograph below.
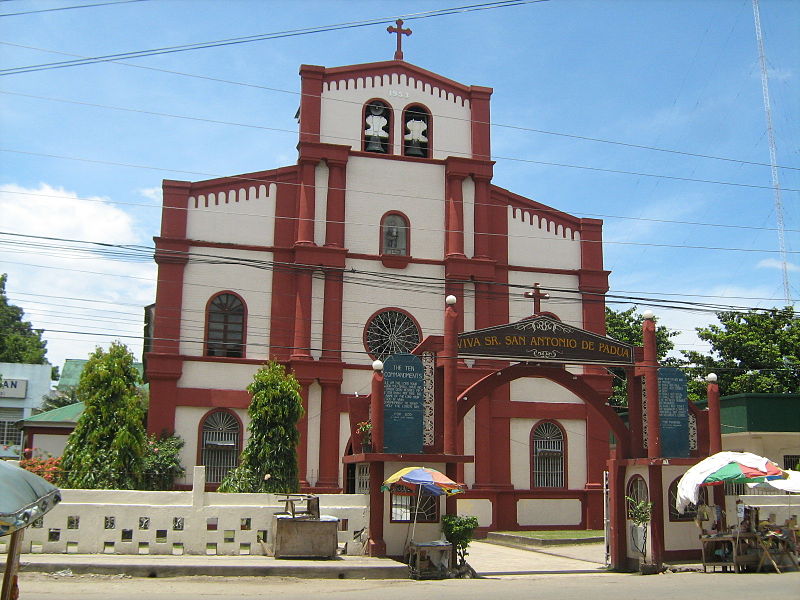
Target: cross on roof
x=537 y=296
x=398 y=55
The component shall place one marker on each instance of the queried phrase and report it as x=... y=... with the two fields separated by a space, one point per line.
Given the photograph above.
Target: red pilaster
x=714 y=423
x=302 y=316
x=332 y=316
x=376 y=413
x=616 y=489
x=449 y=358
x=377 y=547
x=337 y=181
x=481 y=219
x=305 y=205
x=310 y=102
x=454 y=218
x=481 y=117
x=656 y=486
x=329 y=438
x=483 y=443
x=651 y=388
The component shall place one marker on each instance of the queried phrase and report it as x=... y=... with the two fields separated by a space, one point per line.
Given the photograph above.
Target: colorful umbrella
x=430 y=480
x=735 y=467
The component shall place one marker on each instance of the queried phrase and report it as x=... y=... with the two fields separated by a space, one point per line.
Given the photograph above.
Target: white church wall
x=202 y=281
x=217 y=375
x=481 y=508
x=468 y=201
x=469 y=448
x=314 y=419
x=534 y=511
x=679 y=535
x=376 y=186
x=243 y=214
x=344 y=437
x=320 y=202
x=566 y=306
x=536 y=389
x=520 y=432
x=361 y=302
x=539 y=242
x=317 y=313
x=341 y=120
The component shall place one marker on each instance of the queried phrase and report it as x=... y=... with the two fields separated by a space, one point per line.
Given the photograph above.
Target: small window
x=394 y=235
x=416 y=132
x=636 y=491
x=691 y=511
x=791 y=461
x=377 y=125
x=225 y=326
x=548 y=455
x=409 y=505
x=221 y=434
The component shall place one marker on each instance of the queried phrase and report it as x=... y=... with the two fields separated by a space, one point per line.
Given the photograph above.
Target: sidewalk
x=488 y=560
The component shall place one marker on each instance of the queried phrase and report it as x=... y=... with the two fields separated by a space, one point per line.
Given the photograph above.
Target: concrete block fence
x=175 y=523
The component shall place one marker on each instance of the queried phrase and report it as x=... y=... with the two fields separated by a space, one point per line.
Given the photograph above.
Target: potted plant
x=364 y=429
x=640 y=513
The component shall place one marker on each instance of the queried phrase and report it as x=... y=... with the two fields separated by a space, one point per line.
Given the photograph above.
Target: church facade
x=346 y=257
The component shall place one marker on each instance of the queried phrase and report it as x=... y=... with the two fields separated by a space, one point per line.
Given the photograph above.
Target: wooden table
x=738 y=550
x=775 y=548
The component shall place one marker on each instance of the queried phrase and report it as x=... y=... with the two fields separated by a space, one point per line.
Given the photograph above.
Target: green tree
x=751 y=352
x=269 y=459
x=57 y=399
x=626 y=326
x=19 y=341
x=106 y=449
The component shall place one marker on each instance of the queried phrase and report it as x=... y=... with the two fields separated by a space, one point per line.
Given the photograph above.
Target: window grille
x=391 y=332
x=548 y=456
x=225 y=327
x=691 y=511
x=791 y=461
x=636 y=491
x=220 y=449
x=9 y=434
x=362 y=478
x=407 y=503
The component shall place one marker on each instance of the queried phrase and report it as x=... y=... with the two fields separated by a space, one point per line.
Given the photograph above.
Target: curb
x=524 y=541
x=153 y=570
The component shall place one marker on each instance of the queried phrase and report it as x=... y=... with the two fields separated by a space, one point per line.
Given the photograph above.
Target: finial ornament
x=398 y=54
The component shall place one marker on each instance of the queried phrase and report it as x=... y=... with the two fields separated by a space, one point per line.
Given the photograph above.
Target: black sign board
x=544 y=339
x=403 y=404
x=673 y=412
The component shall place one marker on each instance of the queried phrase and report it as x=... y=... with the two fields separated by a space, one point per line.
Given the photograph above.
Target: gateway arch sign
x=543 y=339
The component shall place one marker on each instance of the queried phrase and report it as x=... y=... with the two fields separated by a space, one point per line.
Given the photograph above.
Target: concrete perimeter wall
x=191 y=522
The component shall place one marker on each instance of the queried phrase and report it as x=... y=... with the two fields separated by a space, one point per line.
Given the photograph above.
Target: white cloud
x=153 y=193
x=774 y=263
x=81 y=298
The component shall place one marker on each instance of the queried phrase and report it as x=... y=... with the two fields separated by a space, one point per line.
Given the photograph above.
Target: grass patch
x=558 y=534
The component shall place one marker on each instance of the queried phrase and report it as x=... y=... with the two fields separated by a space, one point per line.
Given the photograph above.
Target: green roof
x=64 y=414
x=72 y=369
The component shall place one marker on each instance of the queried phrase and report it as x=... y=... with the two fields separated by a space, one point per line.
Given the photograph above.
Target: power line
x=45 y=10
x=266 y=36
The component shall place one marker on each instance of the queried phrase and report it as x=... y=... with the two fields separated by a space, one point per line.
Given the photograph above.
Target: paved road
x=603 y=586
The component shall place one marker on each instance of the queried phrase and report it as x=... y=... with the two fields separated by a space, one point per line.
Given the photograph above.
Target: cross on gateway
x=398 y=55
x=537 y=296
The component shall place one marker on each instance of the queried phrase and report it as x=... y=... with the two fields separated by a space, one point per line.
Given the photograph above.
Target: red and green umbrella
x=736 y=472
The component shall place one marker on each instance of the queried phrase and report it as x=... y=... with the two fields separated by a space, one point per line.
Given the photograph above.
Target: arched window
x=691 y=511
x=636 y=491
x=377 y=127
x=547 y=460
x=225 y=326
x=220 y=443
x=394 y=235
x=391 y=331
x=416 y=131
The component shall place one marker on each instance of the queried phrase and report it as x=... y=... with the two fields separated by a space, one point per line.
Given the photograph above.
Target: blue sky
x=678 y=75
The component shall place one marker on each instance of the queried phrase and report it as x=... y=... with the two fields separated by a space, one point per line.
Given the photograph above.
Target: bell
x=414 y=149
x=374 y=144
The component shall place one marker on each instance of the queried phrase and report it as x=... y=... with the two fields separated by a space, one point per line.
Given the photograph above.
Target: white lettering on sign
x=398 y=94
x=13 y=388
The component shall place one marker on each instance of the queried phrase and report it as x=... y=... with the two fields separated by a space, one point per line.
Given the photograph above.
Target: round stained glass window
x=391 y=332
